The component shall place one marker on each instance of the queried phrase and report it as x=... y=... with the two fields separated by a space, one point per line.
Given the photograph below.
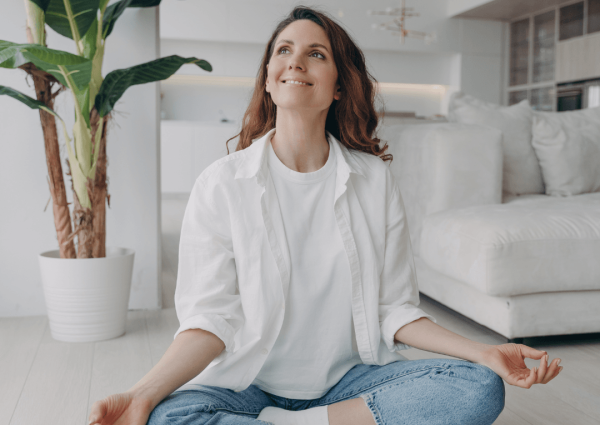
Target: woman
x=296 y=283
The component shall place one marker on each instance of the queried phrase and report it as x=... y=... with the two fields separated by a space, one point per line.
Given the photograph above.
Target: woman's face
x=302 y=53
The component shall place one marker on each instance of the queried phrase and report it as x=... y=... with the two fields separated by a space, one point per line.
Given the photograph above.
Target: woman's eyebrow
x=312 y=45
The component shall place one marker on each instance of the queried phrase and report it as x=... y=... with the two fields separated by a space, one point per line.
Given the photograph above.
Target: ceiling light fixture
x=398 y=24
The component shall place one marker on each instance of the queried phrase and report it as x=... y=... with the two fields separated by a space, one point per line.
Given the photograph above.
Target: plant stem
x=60 y=207
x=100 y=187
x=36 y=22
x=43 y=83
x=73 y=25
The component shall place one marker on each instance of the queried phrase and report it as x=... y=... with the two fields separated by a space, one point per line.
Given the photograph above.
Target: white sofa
x=522 y=266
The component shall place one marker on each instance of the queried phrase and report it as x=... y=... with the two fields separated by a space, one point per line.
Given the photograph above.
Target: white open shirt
x=233 y=274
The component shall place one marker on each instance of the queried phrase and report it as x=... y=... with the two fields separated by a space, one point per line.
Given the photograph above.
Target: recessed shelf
x=249 y=82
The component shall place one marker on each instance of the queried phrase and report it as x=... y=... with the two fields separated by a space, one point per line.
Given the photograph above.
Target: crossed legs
x=415 y=392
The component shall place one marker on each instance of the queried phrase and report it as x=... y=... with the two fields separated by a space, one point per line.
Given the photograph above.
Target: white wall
x=232 y=34
x=231 y=59
x=133 y=154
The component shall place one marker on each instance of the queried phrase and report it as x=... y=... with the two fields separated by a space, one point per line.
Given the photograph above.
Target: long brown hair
x=352 y=120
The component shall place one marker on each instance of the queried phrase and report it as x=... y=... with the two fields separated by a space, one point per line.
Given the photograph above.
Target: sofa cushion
x=568 y=147
x=522 y=173
x=444 y=166
x=532 y=244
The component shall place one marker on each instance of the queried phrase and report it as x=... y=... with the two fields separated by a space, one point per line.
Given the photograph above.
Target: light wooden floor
x=46 y=382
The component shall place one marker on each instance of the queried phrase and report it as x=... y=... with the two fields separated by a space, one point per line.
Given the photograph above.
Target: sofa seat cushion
x=531 y=244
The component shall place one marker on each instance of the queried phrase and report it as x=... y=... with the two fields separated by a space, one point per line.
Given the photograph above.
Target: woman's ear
x=338 y=92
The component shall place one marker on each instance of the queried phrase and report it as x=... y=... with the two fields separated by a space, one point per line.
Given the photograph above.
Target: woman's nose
x=296 y=62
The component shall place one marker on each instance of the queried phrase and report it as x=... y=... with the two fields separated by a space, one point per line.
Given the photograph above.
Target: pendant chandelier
x=398 y=24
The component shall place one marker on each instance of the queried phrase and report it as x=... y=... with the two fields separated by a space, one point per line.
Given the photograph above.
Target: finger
x=528 y=381
x=532 y=379
x=531 y=353
x=97 y=412
x=541 y=372
x=553 y=370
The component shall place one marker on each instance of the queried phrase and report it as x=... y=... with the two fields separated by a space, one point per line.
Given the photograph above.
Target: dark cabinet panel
x=543 y=47
x=593 y=16
x=519 y=52
x=571 y=21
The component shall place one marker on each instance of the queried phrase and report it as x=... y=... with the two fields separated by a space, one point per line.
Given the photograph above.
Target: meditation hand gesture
x=507 y=360
x=120 y=409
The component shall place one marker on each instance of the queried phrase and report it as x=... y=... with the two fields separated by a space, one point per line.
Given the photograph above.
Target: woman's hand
x=507 y=360
x=120 y=409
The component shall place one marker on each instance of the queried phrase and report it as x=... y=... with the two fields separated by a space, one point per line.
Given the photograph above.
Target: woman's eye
x=285 y=48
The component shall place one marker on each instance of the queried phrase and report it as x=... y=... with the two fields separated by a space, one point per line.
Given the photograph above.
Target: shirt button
x=264 y=351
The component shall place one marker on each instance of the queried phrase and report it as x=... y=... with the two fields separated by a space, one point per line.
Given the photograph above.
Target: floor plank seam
x=37 y=350
x=91 y=377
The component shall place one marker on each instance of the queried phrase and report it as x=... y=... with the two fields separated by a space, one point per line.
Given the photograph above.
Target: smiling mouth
x=296 y=84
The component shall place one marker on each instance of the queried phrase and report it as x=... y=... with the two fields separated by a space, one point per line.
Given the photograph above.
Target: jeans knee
x=178 y=408
x=490 y=395
x=158 y=416
x=163 y=416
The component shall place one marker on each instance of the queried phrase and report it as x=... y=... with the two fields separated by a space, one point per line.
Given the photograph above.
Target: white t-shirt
x=316 y=346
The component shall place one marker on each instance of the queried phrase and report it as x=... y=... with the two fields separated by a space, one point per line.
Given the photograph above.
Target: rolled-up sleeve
x=207 y=295
x=399 y=291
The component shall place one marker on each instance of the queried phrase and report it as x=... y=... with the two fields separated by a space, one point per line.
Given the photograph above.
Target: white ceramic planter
x=87 y=298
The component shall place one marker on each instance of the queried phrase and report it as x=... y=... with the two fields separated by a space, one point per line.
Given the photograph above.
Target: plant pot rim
x=111 y=252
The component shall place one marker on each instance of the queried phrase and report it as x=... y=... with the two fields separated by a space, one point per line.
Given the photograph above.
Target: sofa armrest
x=442 y=166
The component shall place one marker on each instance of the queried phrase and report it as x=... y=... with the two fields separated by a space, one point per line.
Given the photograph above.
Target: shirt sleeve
x=398 y=291
x=207 y=296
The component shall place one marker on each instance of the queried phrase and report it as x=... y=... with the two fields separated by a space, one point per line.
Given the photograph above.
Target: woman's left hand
x=507 y=360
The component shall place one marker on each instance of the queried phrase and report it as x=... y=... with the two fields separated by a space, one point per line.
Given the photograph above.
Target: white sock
x=312 y=416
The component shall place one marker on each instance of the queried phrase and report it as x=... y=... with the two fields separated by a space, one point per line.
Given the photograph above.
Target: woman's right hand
x=120 y=409
x=188 y=355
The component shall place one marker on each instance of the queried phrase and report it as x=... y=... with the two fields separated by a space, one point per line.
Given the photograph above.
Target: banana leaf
x=111 y=15
x=115 y=10
x=78 y=17
x=79 y=69
x=118 y=81
x=42 y=4
x=144 y=3
x=29 y=101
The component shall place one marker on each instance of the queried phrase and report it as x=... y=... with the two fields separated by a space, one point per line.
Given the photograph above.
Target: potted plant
x=86 y=285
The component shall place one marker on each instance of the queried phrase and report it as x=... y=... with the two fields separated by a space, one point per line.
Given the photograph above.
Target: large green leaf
x=42 y=4
x=144 y=3
x=13 y=55
x=111 y=15
x=115 y=10
x=118 y=81
x=81 y=14
x=29 y=101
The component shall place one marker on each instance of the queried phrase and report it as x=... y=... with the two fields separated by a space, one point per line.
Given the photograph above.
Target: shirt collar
x=255 y=163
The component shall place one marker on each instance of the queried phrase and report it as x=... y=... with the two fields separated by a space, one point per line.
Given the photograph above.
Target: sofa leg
x=514 y=340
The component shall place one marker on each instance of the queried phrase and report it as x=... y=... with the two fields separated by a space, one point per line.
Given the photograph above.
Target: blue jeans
x=415 y=392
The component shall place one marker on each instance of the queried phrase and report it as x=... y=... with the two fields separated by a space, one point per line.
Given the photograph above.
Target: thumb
x=531 y=353
x=98 y=412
